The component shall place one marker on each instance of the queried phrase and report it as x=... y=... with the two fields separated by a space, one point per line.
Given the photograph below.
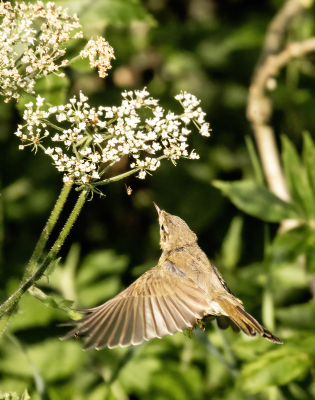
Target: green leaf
x=25 y=395
x=54 y=359
x=9 y=396
x=268 y=309
x=289 y=245
x=259 y=174
x=298 y=317
x=52 y=87
x=232 y=244
x=308 y=156
x=256 y=200
x=52 y=266
x=278 y=367
x=100 y=263
x=94 y=16
x=98 y=292
x=297 y=179
x=310 y=254
x=49 y=301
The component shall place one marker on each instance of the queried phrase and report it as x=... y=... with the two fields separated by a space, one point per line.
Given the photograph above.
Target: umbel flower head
x=84 y=142
x=100 y=54
x=32 y=38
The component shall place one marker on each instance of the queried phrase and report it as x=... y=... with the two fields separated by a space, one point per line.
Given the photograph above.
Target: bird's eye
x=162 y=228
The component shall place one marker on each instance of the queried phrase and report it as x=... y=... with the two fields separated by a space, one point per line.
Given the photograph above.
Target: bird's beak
x=157 y=208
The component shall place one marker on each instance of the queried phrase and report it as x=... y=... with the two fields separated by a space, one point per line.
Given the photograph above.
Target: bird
x=183 y=289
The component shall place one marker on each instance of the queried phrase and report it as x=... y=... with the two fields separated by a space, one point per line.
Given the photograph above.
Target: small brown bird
x=183 y=288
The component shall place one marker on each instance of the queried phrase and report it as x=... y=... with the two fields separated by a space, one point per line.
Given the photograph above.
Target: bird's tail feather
x=245 y=321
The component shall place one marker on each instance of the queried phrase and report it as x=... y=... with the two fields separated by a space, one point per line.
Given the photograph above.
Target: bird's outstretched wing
x=162 y=301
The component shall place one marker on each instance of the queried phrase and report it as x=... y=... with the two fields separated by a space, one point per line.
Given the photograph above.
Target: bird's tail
x=245 y=321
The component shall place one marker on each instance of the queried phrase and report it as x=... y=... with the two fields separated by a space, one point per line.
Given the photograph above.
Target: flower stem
x=117 y=178
x=74 y=59
x=7 y=308
x=32 y=265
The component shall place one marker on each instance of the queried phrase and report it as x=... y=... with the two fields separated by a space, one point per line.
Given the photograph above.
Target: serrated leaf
x=297 y=179
x=256 y=200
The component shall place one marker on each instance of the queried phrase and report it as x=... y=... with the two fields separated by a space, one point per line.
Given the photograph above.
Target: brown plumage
x=170 y=297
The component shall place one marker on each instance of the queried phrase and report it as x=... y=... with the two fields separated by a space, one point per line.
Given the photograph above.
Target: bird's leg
x=200 y=324
x=191 y=329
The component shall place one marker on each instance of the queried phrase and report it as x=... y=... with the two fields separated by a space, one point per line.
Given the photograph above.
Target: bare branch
x=259 y=105
x=277 y=28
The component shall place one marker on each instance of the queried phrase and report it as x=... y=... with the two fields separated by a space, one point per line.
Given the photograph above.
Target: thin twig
x=259 y=111
x=259 y=105
x=277 y=29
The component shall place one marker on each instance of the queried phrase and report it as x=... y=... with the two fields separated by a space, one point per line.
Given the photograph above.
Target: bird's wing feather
x=163 y=301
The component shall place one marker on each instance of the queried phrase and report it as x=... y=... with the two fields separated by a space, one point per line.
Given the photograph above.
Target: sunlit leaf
x=287 y=246
x=53 y=358
x=308 y=156
x=256 y=200
x=96 y=293
x=25 y=395
x=49 y=301
x=99 y=264
x=96 y=15
x=10 y=396
x=232 y=244
x=278 y=367
x=298 y=317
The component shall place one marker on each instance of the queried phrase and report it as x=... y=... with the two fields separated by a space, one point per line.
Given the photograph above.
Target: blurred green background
x=208 y=48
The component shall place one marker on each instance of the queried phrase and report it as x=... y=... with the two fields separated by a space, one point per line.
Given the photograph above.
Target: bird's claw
x=192 y=328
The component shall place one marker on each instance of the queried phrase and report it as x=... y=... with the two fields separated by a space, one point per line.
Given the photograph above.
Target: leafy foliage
x=210 y=49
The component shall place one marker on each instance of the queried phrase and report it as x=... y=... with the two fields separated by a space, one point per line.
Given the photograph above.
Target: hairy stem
x=117 y=178
x=32 y=265
x=7 y=308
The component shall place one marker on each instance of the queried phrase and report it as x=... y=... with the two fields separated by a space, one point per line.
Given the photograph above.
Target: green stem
x=32 y=265
x=7 y=308
x=259 y=175
x=122 y=176
x=109 y=166
x=117 y=178
x=74 y=60
x=53 y=125
x=1 y=229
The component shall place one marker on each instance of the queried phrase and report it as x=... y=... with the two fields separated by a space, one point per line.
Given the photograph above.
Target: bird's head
x=174 y=232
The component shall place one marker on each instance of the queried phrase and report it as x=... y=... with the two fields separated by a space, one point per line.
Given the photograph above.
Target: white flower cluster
x=100 y=137
x=30 y=37
x=100 y=54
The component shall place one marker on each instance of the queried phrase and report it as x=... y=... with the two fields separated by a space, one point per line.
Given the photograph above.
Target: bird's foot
x=200 y=324
x=192 y=328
